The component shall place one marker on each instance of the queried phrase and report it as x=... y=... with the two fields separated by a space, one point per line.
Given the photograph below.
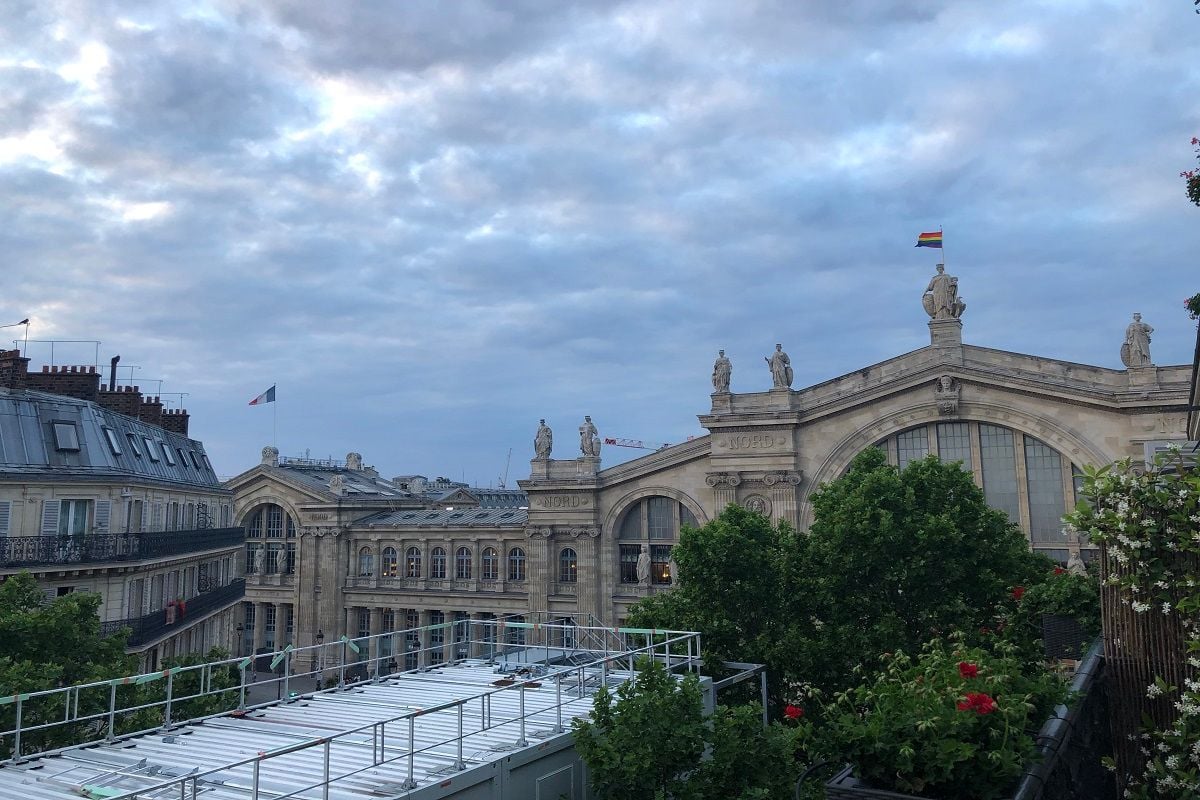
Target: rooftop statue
x=781 y=368
x=941 y=300
x=1135 y=352
x=543 y=441
x=722 y=369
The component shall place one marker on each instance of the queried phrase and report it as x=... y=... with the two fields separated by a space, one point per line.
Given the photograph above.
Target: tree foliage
x=651 y=740
x=894 y=558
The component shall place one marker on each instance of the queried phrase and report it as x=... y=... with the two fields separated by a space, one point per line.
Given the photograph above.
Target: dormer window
x=133 y=445
x=114 y=444
x=166 y=451
x=66 y=438
x=150 y=449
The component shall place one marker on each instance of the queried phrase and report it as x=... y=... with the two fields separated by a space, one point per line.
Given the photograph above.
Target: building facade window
x=274 y=558
x=290 y=559
x=516 y=564
x=73 y=517
x=412 y=563
x=653 y=522
x=1027 y=479
x=437 y=637
x=462 y=564
x=269 y=520
x=568 y=566
x=366 y=563
x=437 y=564
x=389 y=566
x=515 y=632
x=489 y=565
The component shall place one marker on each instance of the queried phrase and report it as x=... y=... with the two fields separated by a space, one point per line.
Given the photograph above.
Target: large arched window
x=437 y=563
x=389 y=568
x=489 y=567
x=568 y=566
x=462 y=564
x=267 y=520
x=1020 y=474
x=412 y=563
x=365 y=562
x=516 y=564
x=652 y=523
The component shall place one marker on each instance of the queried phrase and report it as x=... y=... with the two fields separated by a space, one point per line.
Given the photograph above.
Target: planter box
x=844 y=786
x=1069 y=743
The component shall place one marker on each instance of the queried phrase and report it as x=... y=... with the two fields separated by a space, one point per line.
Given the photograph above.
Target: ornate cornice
x=793 y=478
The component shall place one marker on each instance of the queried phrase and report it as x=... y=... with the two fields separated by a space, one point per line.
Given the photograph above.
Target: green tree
x=653 y=741
x=48 y=645
x=731 y=587
x=895 y=558
x=643 y=743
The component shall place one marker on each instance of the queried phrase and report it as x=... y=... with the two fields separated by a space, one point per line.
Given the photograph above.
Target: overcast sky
x=433 y=223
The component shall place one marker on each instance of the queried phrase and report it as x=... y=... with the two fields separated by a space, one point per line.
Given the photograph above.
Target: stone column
x=423 y=658
x=538 y=572
x=281 y=610
x=260 y=627
x=782 y=486
x=588 y=586
x=724 y=486
x=376 y=628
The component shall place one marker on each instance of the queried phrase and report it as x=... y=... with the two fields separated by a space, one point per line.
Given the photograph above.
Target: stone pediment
x=459 y=497
x=656 y=461
x=263 y=475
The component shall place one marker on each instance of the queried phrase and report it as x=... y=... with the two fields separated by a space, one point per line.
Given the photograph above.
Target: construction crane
x=635 y=443
x=504 y=477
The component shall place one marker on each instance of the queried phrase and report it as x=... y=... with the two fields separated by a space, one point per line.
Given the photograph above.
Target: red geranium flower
x=978 y=702
x=967 y=669
x=1018 y=592
x=1059 y=570
x=793 y=712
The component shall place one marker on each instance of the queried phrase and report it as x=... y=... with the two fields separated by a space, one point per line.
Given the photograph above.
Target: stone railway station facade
x=356 y=554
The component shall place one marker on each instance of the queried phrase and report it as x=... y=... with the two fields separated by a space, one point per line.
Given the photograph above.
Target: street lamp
x=240 y=642
x=320 y=658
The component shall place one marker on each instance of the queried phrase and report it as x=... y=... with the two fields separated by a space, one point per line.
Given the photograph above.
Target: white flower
x=1141 y=608
x=1161 y=584
x=1172 y=762
x=1153 y=691
x=1166 y=608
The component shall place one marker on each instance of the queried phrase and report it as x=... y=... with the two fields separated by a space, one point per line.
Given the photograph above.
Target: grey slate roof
x=358 y=485
x=440 y=518
x=28 y=446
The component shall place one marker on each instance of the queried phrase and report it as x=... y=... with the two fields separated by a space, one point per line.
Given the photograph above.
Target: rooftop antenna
x=504 y=477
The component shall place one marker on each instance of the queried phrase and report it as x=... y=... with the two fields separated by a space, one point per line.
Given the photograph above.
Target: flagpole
x=274 y=426
x=943 y=245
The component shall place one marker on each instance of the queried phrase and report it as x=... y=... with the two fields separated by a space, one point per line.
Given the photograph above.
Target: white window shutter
x=50 y=510
x=5 y=516
x=103 y=513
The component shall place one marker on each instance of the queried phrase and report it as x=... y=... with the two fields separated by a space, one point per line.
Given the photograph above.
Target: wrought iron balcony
x=34 y=551
x=160 y=623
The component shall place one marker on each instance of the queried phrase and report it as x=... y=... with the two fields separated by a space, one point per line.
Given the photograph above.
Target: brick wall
x=125 y=400
x=176 y=421
x=12 y=369
x=82 y=383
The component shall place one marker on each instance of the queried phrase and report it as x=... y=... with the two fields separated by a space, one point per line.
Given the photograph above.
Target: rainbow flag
x=930 y=239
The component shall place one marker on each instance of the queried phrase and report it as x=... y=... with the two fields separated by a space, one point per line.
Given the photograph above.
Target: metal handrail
x=32 y=551
x=680 y=650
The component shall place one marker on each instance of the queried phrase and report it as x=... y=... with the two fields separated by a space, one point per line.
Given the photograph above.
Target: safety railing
x=135 y=705
x=34 y=551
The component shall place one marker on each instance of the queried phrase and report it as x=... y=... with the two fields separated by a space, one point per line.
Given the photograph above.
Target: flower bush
x=1062 y=593
x=1150 y=524
x=953 y=722
x=1192 y=304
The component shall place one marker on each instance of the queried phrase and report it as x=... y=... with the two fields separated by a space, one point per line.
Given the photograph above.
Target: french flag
x=266 y=397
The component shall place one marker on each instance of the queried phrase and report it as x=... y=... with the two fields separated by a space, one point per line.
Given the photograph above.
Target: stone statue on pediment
x=337 y=485
x=722 y=369
x=543 y=441
x=589 y=438
x=1135 y=352
x=270 y=456
x=354 y=461
x=941 y=300
x=946 y=394
x=781 y=368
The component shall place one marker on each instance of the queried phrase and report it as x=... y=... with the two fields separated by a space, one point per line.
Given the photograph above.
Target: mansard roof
x=102 y=449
